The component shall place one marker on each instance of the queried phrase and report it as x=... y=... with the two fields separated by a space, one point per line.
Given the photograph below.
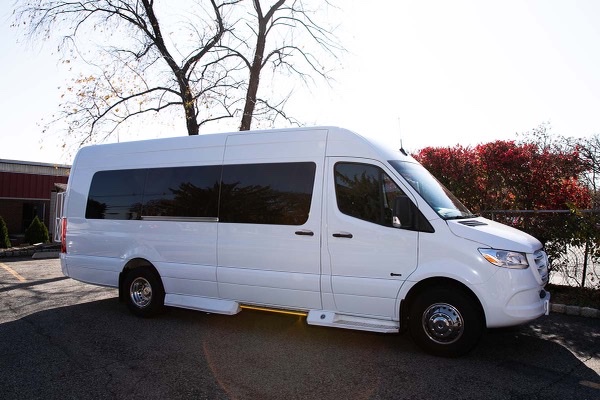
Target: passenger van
x=318 y=220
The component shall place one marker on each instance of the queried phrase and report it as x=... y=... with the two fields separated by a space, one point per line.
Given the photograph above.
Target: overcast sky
x=436 y=73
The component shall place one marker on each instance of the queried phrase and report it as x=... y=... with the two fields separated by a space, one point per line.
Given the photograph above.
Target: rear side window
x=116 y=194
x=182 y=192
x=278 y=194
x=154 y=192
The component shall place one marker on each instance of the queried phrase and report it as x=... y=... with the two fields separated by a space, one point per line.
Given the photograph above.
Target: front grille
x=541 y=263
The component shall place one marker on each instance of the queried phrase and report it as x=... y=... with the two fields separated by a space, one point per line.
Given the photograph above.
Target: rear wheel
x=144 y=291
x=445 y=321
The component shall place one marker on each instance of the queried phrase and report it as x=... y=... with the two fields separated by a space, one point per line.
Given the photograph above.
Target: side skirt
x=334 y=320
x=314 y=317
x=227 y=307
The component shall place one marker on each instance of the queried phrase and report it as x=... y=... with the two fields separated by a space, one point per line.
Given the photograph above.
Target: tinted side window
x=182 y=192
x=158 y=192
x=116 y=194
x=278 y=194
x=365 y=192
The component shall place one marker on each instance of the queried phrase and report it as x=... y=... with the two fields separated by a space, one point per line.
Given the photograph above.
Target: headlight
x=506 y=259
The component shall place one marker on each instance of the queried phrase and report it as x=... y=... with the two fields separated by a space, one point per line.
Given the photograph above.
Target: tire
x=144 y=292
x=445 y=321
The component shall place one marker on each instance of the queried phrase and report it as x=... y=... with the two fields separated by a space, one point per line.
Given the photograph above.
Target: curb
x=35 y=251
x=17 y=253
x=587 y=312
x=39 y=255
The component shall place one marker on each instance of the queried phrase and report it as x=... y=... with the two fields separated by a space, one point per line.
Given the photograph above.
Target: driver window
x=366 y=192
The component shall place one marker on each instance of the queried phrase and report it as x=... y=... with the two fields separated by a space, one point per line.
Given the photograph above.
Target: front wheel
x=445 y=321
x=144 y=291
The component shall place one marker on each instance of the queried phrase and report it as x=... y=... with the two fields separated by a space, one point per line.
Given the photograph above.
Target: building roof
x=34 y=168
x=30 y=180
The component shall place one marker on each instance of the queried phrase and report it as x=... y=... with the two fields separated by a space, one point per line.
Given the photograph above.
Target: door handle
x=305 y=233
x=343 y=235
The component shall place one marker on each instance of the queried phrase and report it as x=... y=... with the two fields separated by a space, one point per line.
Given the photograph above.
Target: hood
x=494 y=234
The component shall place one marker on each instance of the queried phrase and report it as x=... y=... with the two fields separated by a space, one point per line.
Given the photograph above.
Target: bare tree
x=140 y=63
x=131 y=61
x=275 y=32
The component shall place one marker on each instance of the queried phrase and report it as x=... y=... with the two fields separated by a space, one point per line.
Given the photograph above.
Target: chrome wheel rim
x=443 y=323
x=140 y=292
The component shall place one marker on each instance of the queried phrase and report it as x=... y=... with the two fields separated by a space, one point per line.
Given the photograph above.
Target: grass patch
x=574 y=296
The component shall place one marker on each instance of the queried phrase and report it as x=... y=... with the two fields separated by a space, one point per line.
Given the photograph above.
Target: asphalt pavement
x=62 y=339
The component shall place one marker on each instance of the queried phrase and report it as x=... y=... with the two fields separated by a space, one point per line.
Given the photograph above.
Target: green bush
x=4 y=240
x=37 y=232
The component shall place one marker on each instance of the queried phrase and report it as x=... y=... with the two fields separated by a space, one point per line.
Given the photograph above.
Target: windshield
x=433 y=192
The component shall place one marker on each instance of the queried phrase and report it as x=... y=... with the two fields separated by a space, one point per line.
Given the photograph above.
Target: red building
x=28 y=190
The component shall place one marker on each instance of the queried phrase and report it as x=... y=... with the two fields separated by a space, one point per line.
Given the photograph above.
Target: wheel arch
x=131 y=265
x=429 y=283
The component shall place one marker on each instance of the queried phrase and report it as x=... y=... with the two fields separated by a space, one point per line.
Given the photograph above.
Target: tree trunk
x=191 y=119
x=254 y=79
x=257 y=62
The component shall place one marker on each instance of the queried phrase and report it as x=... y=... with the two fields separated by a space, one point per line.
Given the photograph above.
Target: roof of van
x=209 y=147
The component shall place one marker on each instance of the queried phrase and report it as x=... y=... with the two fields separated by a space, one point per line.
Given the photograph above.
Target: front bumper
x=514 y=297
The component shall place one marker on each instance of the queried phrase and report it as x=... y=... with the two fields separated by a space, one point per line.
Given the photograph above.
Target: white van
x=314 y=220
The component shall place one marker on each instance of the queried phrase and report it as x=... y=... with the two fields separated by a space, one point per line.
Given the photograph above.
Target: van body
x=314 y=220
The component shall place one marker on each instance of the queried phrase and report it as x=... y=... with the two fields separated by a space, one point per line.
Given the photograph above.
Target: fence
x=576 y=263
x=571 y=238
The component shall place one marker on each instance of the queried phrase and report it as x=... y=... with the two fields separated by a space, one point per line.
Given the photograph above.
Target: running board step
x=334 y=320
x=206 y=304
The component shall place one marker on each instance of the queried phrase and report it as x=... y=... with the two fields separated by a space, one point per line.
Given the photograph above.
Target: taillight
x=63 y=236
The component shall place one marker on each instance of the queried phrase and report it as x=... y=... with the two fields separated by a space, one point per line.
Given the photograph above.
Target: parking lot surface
x=60 y=339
